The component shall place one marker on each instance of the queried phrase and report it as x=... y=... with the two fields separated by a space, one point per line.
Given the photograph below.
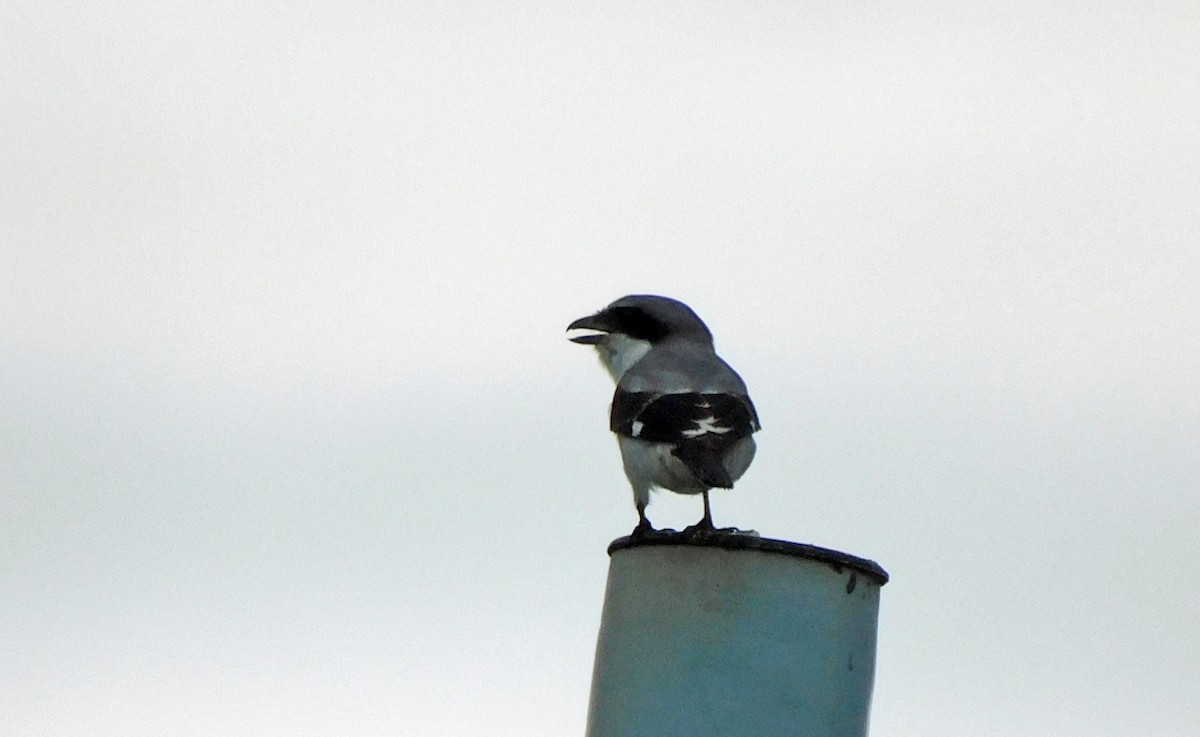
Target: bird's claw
x=705 y=529
x=643 y=530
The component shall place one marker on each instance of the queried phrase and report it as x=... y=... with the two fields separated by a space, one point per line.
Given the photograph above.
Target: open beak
x=591 y=322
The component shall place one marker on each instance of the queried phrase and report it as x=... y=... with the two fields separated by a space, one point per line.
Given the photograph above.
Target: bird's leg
x=705 y=525
x=644 y=528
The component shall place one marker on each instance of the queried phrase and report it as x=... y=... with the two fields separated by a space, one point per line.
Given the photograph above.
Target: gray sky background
x=292 y=442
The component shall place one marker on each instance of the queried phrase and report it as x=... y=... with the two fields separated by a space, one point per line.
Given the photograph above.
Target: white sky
x=293 y=442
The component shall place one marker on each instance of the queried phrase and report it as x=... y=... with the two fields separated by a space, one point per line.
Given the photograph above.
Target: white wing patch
x=703 y=427
x=637 y=427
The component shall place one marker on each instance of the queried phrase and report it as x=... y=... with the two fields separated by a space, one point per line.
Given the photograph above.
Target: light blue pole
x=734 y=635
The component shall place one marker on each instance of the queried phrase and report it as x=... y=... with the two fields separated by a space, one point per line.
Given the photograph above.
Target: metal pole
x=733 y=634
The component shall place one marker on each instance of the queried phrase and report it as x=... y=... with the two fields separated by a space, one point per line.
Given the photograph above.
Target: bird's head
x=627 y=329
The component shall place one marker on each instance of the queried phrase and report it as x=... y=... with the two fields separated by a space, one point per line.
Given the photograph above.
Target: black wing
x=701 y=427
x=675 y=418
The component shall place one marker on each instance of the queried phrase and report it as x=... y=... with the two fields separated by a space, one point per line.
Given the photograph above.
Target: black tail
x=705 y=463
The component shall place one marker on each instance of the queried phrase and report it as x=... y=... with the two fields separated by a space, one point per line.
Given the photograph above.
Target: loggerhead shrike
x=682 y=416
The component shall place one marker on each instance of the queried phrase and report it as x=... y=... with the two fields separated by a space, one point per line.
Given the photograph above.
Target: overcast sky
x=292 y=442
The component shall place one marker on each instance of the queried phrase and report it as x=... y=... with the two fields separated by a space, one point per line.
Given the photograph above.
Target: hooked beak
x=591 y=322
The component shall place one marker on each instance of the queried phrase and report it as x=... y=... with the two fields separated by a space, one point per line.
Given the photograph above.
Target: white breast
x=619 y=353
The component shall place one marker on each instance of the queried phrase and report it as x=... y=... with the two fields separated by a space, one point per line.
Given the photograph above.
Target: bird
x=683 y=417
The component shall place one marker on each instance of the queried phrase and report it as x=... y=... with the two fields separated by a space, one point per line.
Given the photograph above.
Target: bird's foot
x=643 y=530
x=705 y=529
